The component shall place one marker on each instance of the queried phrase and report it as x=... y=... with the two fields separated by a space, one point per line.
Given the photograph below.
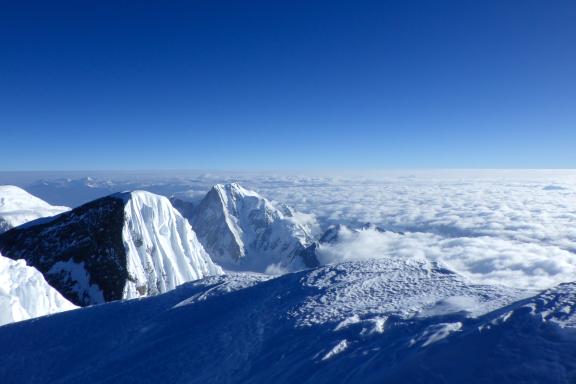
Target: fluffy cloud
x=485 y=260
x=509 y=207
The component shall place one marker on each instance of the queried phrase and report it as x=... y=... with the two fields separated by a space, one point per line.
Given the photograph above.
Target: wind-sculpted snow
x=25 y=294
x=18 y=207
x=395 y=287
x=127 y=245
x=242 y=230
x=392 y=321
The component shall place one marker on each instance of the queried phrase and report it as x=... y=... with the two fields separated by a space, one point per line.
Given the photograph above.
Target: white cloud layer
x=506 y=208
x=481 y=259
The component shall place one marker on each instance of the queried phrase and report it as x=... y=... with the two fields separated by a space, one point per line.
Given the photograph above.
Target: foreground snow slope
x=123 y=246
x=393 y=321
x=242 y=230
x=18 y=207
x=25 y=294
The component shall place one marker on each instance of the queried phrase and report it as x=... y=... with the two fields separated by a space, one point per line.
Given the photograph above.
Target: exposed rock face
x=185 y=208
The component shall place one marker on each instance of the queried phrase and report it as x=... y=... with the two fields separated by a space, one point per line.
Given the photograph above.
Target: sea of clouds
x=485 y=259
x=505 y=227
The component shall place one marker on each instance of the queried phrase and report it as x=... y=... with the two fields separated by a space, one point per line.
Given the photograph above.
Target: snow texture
x=361 y=321
x=25 y=294
x=162 y=251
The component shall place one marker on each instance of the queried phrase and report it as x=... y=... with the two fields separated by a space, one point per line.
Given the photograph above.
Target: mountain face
x=377 y=321
x=25 y=294
x=123 y=246
x=185 y=208
x=18 y=207
x=331 y=235
x=242 y=230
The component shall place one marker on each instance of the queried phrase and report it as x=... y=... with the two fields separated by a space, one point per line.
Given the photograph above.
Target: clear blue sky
x=287 y=84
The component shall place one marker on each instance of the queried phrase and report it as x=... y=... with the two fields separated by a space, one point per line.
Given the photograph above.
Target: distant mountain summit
x=18 y=207
x=242 y=230
x=126 y=245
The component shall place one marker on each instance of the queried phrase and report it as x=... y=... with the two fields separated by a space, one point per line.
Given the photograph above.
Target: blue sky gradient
x=287 y=84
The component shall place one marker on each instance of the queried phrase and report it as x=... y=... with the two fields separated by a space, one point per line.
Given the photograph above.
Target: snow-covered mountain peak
x=234 y=189
x=142 y=196
x=13 y=197
x=18 y=207
x=126 y=245
x=162 y=250
x=236 y=198
x=242 y=230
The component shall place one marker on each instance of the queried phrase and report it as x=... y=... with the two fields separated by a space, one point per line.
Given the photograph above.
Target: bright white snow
x=18 y=207
x=25 y=294
x=162 y=251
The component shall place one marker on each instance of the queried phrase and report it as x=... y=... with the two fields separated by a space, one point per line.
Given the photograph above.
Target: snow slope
x=392 y=321
x=25 y=294
x=18 y=207
x=162 y=250
x=126 y=245
x=242 y=230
